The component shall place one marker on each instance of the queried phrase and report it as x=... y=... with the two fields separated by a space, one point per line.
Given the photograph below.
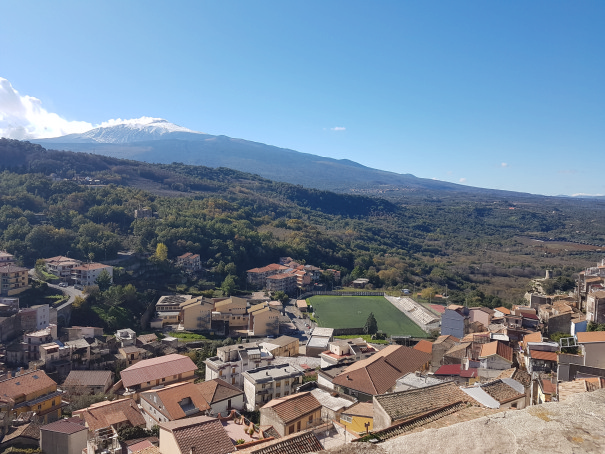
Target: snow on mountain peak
x=134 y=130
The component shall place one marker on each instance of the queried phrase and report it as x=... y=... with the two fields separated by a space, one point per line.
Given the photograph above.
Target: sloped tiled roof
x=533 y=337
x=27 y=383
x=360 y=409
x=30 y=430
x=105 y=414
x=406 y=404
x=497 y=348
x=449 y=369
x=544 y=356
x=457 y=351
x=146 y=338
x=516 y=374
x=548 y=387
x=503 y=310
x=379 y=373
x=424 y=346
x=173 y=394
x=87 y=378
x=501 y=391
x=290 y=408
x=593 y=336
x=204 y=434
x=156 y=368
x=64 y=426
x=298 y=443
x=217 y=390
x=445 y=338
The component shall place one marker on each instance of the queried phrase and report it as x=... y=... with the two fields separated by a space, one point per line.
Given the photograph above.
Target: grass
x=353 y=311
x=365 y=337
x=188 y=336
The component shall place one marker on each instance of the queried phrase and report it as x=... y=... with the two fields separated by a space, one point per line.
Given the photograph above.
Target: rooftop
x=424 y=346
x=26 y=383
x=290 y=408
x=298 y=443
x=379 y=373
x=217 y=390
x=105 y=414
x=413 y=402
x=497 y=348
x=273 y=372
x=202 y=435
x=156 y=368
x=172 y=397
x=361 y=409
x=64 y=426
x=87 y=378
x=593 y=336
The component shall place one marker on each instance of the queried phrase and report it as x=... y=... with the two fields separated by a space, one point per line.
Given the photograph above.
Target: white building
x=265 y=383
x=88 y=273
x=232 y=360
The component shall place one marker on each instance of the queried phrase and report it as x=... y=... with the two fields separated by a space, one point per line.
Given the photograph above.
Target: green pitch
x=353 y=311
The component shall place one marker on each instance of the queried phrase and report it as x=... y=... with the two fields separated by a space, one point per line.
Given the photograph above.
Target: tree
x=228 y=286
x=428 y=293
x=281 y=296
x=161 y=252
x=103 y=280
x=371 y=326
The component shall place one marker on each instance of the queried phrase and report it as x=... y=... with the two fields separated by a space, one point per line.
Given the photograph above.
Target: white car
x=63 y=284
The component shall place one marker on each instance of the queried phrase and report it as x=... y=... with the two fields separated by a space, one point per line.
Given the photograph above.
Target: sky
x=504 y=95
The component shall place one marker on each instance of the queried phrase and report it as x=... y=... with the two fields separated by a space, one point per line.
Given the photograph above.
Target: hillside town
x=275 y=381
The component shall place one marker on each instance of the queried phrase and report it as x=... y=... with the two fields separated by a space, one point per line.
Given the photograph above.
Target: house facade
x=88 y=273
x=455 y=321
x=232 y=360
x=13 y=280
x=291 y=414
x=266 y=383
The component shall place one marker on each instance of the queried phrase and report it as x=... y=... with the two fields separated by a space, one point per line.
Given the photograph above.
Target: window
x=310 y=418
x=298 y=426
x=233 y=370
x=291 y=429
x=163 y=379
x=277 y=395
x=278 y=384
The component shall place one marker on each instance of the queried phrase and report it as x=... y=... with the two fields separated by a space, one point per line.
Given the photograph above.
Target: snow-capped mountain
x=139 y=130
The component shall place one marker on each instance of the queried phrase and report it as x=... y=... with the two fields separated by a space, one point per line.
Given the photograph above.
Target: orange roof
x=378 y=373
x=594 y=336
x=544 y=356
x=497 y=348
x=30 y=382
x=503 y=310
x=291 y=408
x=171 y=395
x=424 y=346
x=548 y=387
x=533 y=337
x=156 y=368
x=104 y=414
x=90 y=266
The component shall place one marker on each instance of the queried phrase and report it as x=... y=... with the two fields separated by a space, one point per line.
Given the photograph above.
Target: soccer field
x=353 y=311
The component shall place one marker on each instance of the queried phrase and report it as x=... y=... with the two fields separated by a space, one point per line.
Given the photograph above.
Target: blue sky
x=506 y=95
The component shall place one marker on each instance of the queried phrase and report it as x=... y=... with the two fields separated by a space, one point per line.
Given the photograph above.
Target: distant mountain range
x=159 y=141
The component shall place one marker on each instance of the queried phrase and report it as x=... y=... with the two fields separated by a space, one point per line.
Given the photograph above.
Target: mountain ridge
x=163 y=142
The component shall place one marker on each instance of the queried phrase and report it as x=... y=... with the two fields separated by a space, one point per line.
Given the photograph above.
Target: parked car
x=78 y=287
x=63 y=284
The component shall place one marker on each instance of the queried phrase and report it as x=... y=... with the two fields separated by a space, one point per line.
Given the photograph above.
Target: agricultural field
x=353 y=311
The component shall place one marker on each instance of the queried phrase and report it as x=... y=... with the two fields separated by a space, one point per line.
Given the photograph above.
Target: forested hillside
x=476 y=245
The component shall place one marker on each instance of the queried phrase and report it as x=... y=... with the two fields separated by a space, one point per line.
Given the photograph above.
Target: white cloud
x=504 y=164
x=23 y=117
x=462 y=180
x=338 y=128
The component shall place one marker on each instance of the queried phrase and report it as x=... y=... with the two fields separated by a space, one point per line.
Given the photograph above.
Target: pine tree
x=371 y=326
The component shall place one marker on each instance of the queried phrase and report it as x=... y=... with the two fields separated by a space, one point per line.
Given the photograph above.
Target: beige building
x=592 y=346
x=286 y=282
x=163 y=370
x=263 y=320
x=61 y=266
x=189 y=262
x=13 y=280
x=233 y=311
x=232 y=360
x=282 y=346
x=196 y=314
x=292 y=413
x=63 y=437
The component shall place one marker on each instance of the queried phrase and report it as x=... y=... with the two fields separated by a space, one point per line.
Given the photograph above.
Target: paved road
x=69 y=291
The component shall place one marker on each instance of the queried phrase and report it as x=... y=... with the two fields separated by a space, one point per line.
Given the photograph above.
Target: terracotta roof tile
x=65 y=427
x=156 y=368
x=87 y=378
x=497 y=348
x=171 y=395
x=217 y=390
x=458 y=350
x=544 y=356
x=379 y=373
x=298 y=443
x=516 y=374
x=504 y=310
x=406 y=404
x=290 y=408
x=360 y=409
x=533 y=337
x=424 y=346
x=593 y=336
x=548 y=387
x=105 y=414
x=29 y=383
x=501 y=391
x=204 y=434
